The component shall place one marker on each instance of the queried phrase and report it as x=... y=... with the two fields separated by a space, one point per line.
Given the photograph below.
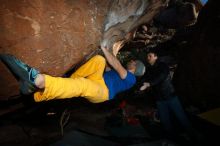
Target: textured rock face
x=51 y=35
x=54 y=35
x=48 y=34
x=124 y=16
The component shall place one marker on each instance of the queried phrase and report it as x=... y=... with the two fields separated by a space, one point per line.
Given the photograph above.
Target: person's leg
x=92 y=69
x=55 y=87
x=177 y=109
x=164 y=115
x=87 y=82
x=61 y=88
x=25 y=74
x=40 y=81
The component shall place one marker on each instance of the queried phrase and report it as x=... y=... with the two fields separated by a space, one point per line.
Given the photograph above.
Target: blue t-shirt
x=115 y=84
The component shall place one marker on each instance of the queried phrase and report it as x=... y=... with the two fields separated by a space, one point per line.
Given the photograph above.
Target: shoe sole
x=20 y=73
x=26 y=88
x=10 y=62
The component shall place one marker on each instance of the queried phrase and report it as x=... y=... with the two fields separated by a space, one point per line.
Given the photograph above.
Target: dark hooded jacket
x=158 y=76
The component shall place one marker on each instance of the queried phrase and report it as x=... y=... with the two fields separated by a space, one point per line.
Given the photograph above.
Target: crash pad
x=212 y=116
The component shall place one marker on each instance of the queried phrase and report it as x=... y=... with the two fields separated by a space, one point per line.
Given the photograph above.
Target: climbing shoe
x=23 y=73
x=27 y=88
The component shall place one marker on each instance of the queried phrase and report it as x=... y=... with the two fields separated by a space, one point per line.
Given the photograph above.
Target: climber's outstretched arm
x=115 y=63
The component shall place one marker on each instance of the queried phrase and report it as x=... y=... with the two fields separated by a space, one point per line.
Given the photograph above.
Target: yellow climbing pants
x=87 y=82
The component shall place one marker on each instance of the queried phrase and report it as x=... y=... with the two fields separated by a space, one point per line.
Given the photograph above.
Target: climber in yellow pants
x=89 y=81
x=86 y=82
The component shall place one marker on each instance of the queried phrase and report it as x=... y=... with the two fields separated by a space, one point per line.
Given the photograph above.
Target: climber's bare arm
x=115 y=63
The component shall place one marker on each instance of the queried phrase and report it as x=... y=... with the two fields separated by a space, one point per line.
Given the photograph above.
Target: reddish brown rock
x=54 y=35
x=50 y=35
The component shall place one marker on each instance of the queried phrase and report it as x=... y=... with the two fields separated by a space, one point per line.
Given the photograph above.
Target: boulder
x=55 y=35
